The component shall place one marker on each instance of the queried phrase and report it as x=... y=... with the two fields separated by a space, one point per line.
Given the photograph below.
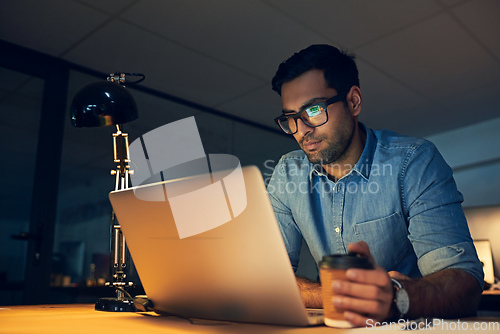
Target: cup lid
x=345 y=261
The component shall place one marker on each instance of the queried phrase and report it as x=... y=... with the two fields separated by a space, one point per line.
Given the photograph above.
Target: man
x=352 y=189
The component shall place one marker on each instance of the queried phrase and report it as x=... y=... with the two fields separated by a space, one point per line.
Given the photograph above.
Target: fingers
x=359 y=247
x=365 y=284
x=377 y=309
x=361 y=290
x=377 y=276
x=362 y=248
x=365 y=293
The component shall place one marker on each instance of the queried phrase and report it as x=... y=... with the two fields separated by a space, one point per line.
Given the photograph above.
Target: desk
x=82 y=318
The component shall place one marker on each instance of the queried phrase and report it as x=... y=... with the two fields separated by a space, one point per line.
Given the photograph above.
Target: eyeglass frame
x=324 y=104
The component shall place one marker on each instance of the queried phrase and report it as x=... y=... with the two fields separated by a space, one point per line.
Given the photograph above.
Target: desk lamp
x=102 y=104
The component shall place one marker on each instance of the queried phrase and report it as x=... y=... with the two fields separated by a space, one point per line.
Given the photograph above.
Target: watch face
x=402 y=301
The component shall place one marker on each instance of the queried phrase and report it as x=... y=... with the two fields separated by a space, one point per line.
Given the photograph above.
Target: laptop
x=236 y=271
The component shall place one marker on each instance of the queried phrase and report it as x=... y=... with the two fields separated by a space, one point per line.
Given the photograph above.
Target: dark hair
x=339 y=68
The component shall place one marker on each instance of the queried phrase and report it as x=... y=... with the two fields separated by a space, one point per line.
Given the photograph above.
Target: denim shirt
x=400 y=198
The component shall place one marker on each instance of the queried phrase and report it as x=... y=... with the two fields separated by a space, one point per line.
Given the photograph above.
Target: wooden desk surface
x=82 y=318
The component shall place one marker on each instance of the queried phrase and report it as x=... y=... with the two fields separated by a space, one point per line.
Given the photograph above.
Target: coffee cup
x=331 y=268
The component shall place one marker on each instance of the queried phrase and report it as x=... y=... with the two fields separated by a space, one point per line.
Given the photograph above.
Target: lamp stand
x=123 y=302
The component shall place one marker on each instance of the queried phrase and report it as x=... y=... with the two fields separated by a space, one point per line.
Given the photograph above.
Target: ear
x=354 y=100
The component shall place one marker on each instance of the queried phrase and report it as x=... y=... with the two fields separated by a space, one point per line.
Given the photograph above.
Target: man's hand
x=367 y=294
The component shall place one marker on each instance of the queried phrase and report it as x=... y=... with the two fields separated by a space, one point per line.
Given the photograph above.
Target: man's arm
x=292 y=236
x=310 y=292
x=367 y=294
x=450 y=293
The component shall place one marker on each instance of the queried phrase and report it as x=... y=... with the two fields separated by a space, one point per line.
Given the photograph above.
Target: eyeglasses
x=313 y=116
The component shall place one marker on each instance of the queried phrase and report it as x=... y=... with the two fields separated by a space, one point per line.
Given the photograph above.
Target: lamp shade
x=102 y=104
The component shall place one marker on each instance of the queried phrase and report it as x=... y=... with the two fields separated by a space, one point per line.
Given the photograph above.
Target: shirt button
x=337 y=229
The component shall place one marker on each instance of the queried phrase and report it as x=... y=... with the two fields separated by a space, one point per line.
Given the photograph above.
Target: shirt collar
x=364 y=164
x=316 y=169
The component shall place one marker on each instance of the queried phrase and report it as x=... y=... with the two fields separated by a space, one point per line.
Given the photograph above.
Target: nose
x=302 y=128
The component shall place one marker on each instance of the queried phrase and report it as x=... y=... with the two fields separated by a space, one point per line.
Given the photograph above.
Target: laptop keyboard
x=315 y=312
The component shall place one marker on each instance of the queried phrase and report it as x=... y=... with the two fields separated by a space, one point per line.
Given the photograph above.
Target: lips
x=311 y=145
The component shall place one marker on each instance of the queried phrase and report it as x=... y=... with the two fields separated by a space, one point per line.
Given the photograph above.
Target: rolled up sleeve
x=457 y=256
x=437 y=228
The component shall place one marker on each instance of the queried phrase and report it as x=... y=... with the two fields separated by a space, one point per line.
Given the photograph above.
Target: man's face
x=328 y=143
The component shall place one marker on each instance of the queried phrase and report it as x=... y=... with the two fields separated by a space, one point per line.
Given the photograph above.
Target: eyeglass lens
x=312 y=116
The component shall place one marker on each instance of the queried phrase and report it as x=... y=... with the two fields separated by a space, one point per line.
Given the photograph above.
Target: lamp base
x=109 y=304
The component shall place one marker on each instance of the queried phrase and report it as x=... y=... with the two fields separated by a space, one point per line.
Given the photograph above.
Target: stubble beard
x=336 y=149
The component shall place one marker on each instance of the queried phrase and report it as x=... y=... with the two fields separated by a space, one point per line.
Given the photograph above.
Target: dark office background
x=428 y=68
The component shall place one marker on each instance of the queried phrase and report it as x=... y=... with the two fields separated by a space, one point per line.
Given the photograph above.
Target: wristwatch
x=401 y=299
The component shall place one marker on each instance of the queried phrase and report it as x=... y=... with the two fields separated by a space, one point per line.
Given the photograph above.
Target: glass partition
x=20 y=106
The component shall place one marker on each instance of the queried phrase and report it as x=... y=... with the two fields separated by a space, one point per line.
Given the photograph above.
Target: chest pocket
x=387 y=238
